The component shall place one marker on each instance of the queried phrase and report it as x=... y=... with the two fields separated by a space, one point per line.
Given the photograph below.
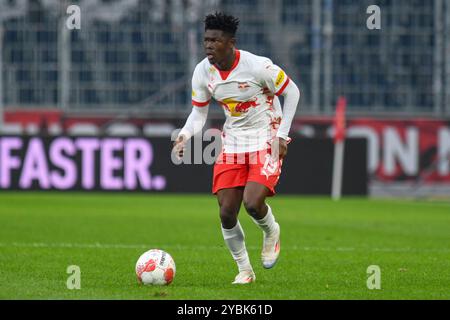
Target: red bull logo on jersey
x=237 y=108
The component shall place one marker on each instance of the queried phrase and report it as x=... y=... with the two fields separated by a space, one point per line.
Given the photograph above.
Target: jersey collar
x=224 y=74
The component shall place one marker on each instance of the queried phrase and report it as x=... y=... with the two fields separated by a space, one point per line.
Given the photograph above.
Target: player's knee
x=253 y=206
x=228 y=215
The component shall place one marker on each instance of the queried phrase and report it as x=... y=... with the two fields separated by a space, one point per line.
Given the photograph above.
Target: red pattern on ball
x=168 y=275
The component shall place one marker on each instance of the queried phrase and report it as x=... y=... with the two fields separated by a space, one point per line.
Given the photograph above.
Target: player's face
x=218 y=46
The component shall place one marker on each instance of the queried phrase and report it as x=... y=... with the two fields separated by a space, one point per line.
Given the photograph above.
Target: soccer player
x=254 y=138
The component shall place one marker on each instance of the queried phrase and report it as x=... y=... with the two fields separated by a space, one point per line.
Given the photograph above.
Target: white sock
x=234 y=238
x=267 y=224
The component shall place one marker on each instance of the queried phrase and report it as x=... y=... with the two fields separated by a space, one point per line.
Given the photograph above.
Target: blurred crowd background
x=139 y=54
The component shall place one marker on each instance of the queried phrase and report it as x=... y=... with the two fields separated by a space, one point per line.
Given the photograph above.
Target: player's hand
x=283 y=147
x=279 y=149
x=179 y=146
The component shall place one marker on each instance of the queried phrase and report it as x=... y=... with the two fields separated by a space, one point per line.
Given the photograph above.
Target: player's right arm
x=201 y=98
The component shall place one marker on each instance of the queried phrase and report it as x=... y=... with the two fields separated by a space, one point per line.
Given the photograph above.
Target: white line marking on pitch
x=98 y=245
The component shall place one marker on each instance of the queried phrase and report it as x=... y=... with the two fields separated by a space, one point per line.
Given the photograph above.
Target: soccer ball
x=155 y=267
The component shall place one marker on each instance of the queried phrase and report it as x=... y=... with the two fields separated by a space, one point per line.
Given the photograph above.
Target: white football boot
x=245 y=277
x=271 y=248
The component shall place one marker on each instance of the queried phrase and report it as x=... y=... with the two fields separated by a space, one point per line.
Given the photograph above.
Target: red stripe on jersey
x=280 y=92
x=200 y=104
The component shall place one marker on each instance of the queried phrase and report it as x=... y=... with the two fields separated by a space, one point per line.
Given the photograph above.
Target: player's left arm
x=291 y=96
x=281 y=85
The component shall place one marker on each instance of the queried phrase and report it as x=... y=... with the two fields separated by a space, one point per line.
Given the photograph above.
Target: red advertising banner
x=398 y=150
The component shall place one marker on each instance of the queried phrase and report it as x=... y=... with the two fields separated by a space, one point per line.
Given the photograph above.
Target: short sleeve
x=200 y=94
x=274 y=78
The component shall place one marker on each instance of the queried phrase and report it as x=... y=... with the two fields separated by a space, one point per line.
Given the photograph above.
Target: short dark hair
x=221 y=21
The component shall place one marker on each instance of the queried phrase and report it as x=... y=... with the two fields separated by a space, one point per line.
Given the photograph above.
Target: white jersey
x=248 y=95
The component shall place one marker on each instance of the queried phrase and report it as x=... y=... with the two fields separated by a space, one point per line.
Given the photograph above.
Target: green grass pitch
x=326 y=247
